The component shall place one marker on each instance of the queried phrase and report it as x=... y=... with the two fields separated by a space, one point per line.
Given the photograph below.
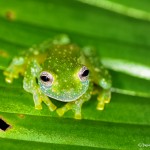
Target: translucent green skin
x=64 y=67
x=64 y=61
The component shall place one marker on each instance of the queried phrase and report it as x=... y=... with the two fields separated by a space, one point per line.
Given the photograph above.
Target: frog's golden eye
x=83 y=73
x=46 y=78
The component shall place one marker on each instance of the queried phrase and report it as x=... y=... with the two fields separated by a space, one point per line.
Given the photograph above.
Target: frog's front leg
x=14 y=69
x=76 y=106
x=103 y=90
x=30 y=85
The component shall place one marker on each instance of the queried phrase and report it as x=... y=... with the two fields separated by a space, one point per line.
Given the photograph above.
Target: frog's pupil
x=85 y=73
x=45 y=78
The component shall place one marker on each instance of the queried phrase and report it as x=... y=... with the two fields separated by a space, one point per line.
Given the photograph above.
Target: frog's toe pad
x=107 y=100
x=78 y=116
x=100 y=106
x=60 y=112
x=38 y=107
x=8 y=80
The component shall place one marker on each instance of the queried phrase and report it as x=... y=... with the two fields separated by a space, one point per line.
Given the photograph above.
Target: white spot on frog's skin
x=97 y=69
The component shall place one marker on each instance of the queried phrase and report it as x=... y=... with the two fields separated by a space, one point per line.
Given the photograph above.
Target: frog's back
x=48 y=50
x=63 y=53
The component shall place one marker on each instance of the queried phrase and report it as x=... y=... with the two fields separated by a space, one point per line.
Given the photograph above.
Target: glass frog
x=58 y=69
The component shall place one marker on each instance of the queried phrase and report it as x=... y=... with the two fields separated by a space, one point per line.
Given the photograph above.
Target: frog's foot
x=65 y=108
x=38 y=98
x=11 y=73
x=103 y=97
x=75 y=106
x=14 y=69
x=9 y=76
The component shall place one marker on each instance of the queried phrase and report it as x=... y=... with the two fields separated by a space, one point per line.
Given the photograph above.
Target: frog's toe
x=8 y=80
x=52 y=107
x=78 y=116
x=48 y=102
x=107 y=100
x=38 y=107
x=60 y=111
x=77 y=111
x=100 y=106
x=103 y=97
x=65 y=108
x=101 y=103
x=9 y=76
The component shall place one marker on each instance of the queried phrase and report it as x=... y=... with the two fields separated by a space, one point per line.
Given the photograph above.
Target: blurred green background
x=120 y=32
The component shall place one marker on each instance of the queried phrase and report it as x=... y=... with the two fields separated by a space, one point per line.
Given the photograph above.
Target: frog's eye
x=46 y=78
x=83 y=73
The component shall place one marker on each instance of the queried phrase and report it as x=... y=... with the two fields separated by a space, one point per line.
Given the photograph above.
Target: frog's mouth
x=65 y=95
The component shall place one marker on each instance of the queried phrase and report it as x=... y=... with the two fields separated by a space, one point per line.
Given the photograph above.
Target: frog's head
x=64 y=83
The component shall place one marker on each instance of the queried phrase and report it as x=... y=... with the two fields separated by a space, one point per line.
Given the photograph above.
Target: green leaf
x=122 y=41
x=76 y=133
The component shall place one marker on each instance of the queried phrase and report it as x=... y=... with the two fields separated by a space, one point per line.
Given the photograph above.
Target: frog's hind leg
x=14 y=69
x=30 y=85
x=104 y=96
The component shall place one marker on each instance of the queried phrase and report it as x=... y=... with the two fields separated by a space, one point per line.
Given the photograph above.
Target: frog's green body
x=60 y=70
